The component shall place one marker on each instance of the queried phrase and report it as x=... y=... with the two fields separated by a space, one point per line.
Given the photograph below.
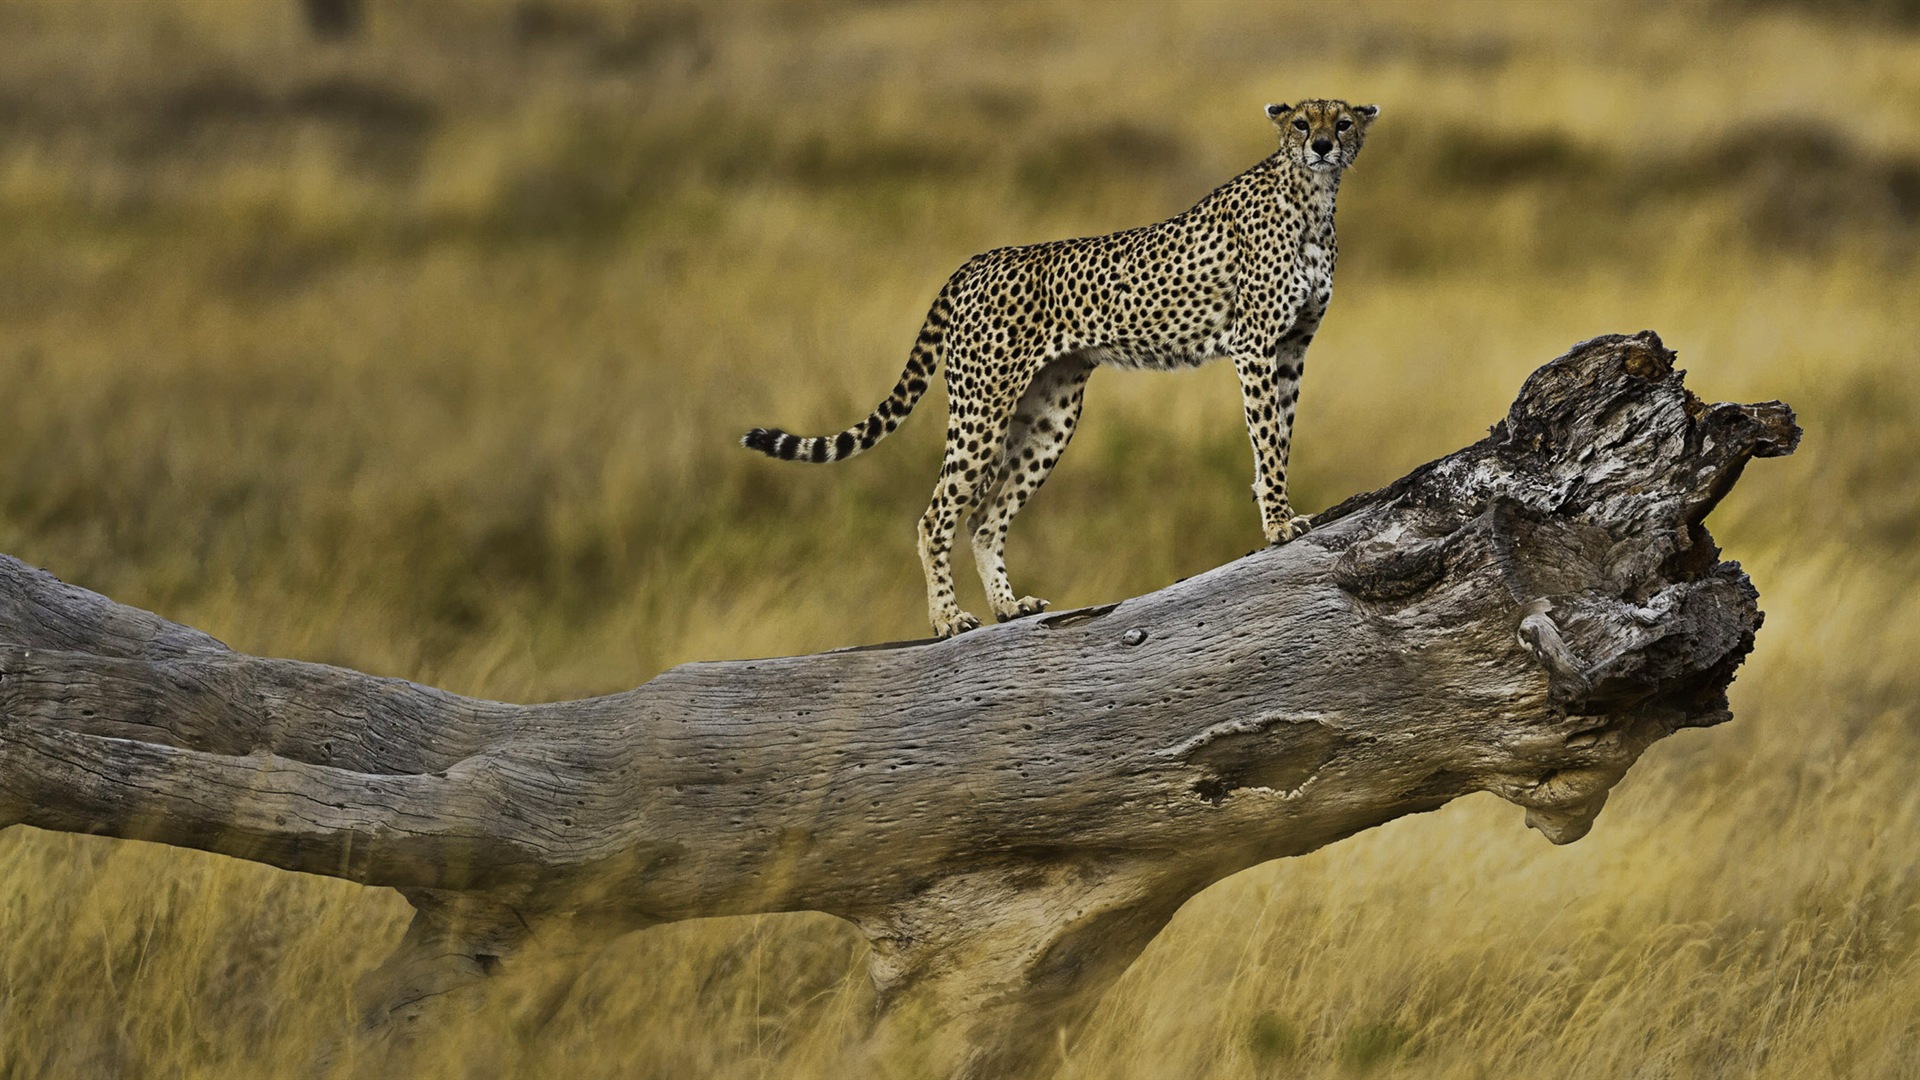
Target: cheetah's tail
x=861 y=437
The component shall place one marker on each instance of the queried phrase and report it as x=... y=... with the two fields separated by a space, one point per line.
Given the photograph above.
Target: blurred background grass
x=423 y=351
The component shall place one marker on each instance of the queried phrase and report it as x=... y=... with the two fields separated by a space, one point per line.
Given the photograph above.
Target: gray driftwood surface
x=1009 y=816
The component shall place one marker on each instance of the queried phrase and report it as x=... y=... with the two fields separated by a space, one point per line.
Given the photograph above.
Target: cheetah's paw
x=1026 y=605
x=1292 y=529
x=958 y=623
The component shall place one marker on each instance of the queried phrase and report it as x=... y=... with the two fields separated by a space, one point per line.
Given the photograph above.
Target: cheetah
x=1245 y=275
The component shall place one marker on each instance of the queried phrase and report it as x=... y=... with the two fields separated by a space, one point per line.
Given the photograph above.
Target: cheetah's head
x=1322 y=136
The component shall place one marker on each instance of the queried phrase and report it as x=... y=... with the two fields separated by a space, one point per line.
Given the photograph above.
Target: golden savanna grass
x=424 y=354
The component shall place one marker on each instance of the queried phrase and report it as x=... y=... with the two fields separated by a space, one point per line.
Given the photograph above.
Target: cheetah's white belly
x=1157 y=356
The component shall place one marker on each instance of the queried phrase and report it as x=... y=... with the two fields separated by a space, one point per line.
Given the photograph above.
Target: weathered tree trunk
x=1009 y=816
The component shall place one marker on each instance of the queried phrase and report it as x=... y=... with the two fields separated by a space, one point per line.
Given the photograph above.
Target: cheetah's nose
x=1323 y=145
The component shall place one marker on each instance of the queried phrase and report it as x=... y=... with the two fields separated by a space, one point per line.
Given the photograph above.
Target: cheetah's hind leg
x=966 y=479
x=1042 y=424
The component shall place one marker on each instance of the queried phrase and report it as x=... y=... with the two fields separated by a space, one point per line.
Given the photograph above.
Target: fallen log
x=1008 y=816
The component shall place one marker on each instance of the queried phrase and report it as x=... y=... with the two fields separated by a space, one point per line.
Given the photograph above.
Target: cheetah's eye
x=1299 y=125
x=1343 y=125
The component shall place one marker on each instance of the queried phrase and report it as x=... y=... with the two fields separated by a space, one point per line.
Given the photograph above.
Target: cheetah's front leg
x=1269 y=389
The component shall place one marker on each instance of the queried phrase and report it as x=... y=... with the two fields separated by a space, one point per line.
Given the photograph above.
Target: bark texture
x=1009 y=816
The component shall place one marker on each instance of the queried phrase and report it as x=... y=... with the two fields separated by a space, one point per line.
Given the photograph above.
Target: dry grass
x=424 y=354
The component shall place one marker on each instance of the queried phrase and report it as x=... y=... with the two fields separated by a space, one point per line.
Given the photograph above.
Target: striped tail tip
x=779 y=444
x=763 y=440
x=818 y=448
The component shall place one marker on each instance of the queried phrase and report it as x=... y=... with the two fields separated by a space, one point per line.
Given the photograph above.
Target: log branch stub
x=1008 y=816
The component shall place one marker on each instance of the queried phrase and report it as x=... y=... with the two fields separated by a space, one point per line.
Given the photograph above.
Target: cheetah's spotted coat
x=1245 y=275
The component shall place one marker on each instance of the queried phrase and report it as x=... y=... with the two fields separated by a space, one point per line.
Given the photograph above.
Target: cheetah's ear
x=1368 y=111
x=1275 y=112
